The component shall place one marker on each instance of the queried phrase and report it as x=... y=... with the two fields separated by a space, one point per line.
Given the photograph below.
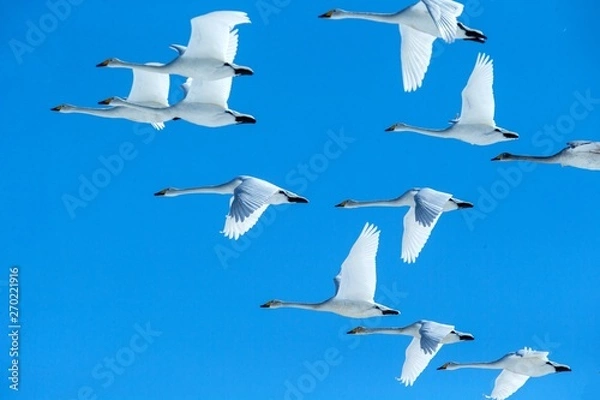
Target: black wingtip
x=464 y=204
x=466 y=337
x=297 y=200
x=510 y=135
x=390 y=312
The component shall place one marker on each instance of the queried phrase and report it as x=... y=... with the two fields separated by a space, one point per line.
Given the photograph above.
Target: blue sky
x=522 y=272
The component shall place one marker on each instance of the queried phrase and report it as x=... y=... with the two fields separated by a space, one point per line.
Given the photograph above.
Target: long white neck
x=481 y=365
x=304 y=306
x=553 y=159
x=100 y=112
x=386 y=331
x=377 y=203
x=369 y=16
x=160 y=68
x=423 y=131
x=226 y=188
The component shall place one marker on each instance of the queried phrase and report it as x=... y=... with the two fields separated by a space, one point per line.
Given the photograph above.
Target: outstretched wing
x=415 y=362
x=415 y=55
x=507 y=383
x=358 y=276
x=149 y=88
x=250 y=200
x=444 y=14
x=212 y=35
x=420 y=220
x=478 y=105
x=208 y=92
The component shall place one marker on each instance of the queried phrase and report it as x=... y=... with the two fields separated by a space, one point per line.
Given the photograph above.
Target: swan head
x=333 y=14
x=359 y=330
x=347 y=204
x=167 y=192
x=62 y=108
x=272 y=304
x=507 y=135
x=448 y=366
x=503 y=157
x=110 y=62
x=397 y=127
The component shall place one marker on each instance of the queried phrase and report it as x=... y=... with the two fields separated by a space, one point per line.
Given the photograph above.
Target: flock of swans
x=208 y=64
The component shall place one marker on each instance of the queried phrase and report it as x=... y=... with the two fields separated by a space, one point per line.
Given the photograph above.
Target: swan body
x=476 y=124
x=204 y=104
x=428 y=339
x=516 y=368
x=210 y=51
x=149 y=91
x=419 y=24
x=579 y=154
x=251 y=197
x=355 y=284
x=425 y=208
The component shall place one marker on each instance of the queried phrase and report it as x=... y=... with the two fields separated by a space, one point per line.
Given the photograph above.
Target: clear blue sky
x=522 y=273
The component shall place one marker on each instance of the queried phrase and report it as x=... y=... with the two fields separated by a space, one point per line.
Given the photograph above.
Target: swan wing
x=208 y=92
x=432 y=335
x=415 y=55
x=213 y=35
x=357 y=277
x=420 y=220
x=415 y=362
x=149 y=87
x=444 y=14
x=507 y=383
x=478 y=104
x=250 y=200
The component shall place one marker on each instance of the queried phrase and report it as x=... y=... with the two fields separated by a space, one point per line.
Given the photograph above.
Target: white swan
x=426 y=206
x=210 y=51
x=428 y=339
x=579 y=154
x=204 y=104
x=355 y=284
x=475 y=125
x=420 y=24
x=148 y=90
x=516 y=369
x=251 y=197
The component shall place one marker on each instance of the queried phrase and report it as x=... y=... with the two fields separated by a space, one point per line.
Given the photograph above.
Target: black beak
x=102 y=64
x=176 y=119
x=497 y=158
x=161 y=192
x=266 y=305
x=442 y=368
x=326 y=15
x=390 y=129
x=341 y=205
x=104 y=102
x=57 y=108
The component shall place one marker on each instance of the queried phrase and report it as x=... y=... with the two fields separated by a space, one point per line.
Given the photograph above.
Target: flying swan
x=204 y=104
x=426 y=207
x=516 y=369
x=251 y=197
x=428 y=339
x=149 y=90
x=210 y=51
x=355 y=283
x=579 y=154
x=420 y=24
x=476 y=122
